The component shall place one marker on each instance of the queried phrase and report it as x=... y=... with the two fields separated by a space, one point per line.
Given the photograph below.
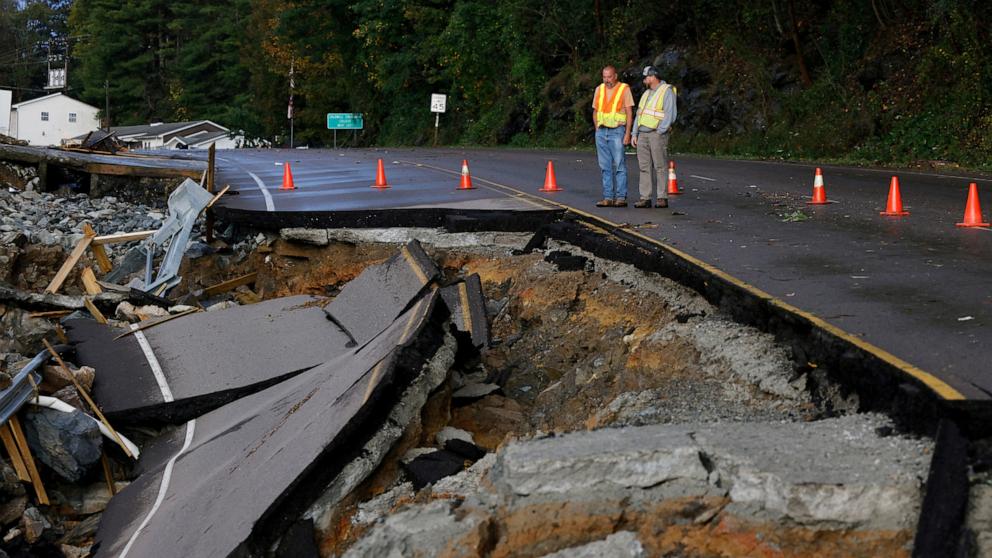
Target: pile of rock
x=69 y=445
x=49 y=219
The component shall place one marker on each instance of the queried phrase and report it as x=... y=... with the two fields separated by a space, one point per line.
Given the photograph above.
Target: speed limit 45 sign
x=438 y=102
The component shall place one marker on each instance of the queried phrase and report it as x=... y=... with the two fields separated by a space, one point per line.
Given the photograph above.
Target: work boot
x=620 y=202
x=662 y=202
x=642 y=203
x=604 y=203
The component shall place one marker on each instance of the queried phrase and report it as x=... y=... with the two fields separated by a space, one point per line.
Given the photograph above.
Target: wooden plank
x=86 y=396
x=114 y=287
x=217 y=197
x=89 y=281
x=60 y=333
x=14 y=453
x=50 y=314
x=70 y=262
x=151 y=172
x=108 y=475
x=22 y=445
x=102 y=260
x=98 y=252
x=208 y=223
x=122 y=237
x=153 y=323
x=97 y=315
x=230 y=284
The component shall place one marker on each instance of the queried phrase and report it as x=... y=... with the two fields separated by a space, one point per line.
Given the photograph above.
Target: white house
x=197 y=134
x=5 y=97
x=50 y=119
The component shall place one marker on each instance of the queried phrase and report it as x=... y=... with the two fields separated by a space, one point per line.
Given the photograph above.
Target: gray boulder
x=69 y=443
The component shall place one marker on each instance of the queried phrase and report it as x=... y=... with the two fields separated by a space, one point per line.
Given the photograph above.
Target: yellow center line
x=376 y=372
x=937 y=385
x=414 y=265
x=466 y=311
x=404 y=337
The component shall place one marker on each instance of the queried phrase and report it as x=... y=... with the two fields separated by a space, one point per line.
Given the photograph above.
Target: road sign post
x=439 y=103
x=344 y=121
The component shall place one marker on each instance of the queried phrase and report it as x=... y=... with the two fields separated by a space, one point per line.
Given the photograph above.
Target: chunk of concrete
x=437 y=525
x=316 y=237
x=618 y=545
x=829 y=486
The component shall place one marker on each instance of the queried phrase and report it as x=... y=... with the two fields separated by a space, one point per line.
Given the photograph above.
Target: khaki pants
x=652 y=158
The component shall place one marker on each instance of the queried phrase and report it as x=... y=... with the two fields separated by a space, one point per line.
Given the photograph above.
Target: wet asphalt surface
x=916 y=286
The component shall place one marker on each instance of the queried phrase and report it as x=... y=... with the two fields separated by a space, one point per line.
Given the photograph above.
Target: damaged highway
x=469 y=390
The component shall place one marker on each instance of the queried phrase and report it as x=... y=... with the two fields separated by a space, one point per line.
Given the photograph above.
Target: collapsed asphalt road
x=579 y=343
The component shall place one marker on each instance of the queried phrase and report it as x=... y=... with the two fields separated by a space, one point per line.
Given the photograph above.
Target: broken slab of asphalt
x=181 y=368
x=206 y=488
x=835 y=487
x=281 y=445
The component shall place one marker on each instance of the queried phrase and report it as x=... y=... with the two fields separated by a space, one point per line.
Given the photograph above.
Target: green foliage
x=888 y=81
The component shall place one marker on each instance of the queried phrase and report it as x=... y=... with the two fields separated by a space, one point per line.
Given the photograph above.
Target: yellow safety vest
x=614 y=115
x=651 y=117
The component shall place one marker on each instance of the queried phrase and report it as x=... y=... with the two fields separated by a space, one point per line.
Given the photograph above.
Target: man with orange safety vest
x=655 y=115
x=612 y=114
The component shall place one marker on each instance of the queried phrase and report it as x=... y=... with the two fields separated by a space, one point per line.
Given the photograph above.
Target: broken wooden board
x=90 y=283
x=96 y=163
x=99 y=253
x=70 y=262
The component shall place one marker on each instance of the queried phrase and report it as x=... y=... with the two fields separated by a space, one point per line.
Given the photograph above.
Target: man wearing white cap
x=651 y=130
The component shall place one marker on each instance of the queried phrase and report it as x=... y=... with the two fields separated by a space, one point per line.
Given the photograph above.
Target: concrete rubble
x=692 y=489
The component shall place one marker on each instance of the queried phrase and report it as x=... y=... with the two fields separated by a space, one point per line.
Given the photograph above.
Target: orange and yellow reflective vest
x=609 y=109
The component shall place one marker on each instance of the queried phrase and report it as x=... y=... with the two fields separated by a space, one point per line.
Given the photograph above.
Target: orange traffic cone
x=550 y=182
x=287 y=177
x=466 y=183
x=380 y=177
x=819 y=192
x=894 y=206
x=973 y=209
x=673 y=183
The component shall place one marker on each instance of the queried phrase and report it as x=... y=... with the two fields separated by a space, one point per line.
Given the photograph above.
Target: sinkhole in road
x=577 y=341
x=578 y=344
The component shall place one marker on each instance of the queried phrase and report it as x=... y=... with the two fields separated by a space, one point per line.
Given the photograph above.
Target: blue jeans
x=609 y=150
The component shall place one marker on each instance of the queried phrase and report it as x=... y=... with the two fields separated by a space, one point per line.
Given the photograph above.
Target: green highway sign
x=345 y=121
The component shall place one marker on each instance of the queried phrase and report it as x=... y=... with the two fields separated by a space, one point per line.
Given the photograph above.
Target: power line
x=22 y=88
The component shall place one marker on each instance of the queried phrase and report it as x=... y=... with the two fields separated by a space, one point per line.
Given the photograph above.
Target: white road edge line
x=163 y=384
x=702 y=177
x=269 y=206
x=163 y=488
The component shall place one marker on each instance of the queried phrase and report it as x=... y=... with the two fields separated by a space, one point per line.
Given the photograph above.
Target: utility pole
x=106 y=109
x=292 y=85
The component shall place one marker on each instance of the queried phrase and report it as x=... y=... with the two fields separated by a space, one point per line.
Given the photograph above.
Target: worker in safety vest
x=612 y=114
x=652 y=128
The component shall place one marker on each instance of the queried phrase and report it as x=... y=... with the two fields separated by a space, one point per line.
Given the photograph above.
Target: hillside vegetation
x=879 y=81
